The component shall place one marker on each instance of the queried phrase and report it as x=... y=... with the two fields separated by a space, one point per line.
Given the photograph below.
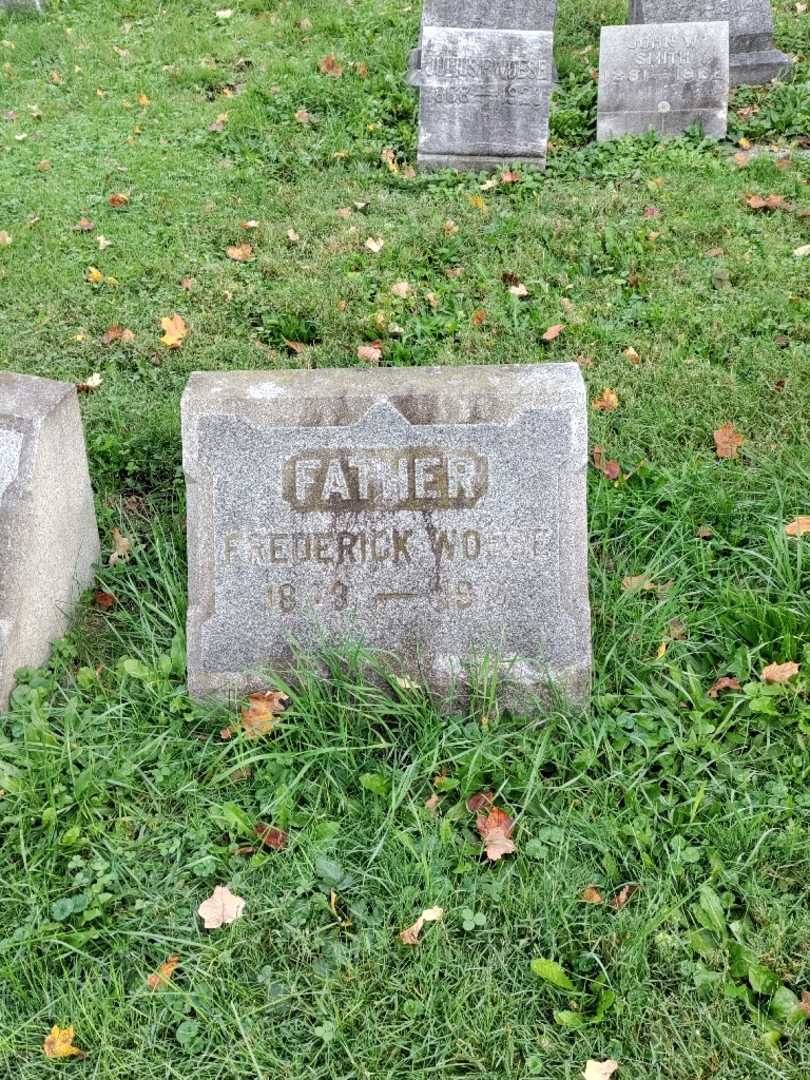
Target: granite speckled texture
x=664 y=77
x=48 y=537
x=752 y=57
x=437 y=515
x=36 y=7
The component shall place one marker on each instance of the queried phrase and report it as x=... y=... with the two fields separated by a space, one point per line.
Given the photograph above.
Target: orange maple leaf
x=495 y=829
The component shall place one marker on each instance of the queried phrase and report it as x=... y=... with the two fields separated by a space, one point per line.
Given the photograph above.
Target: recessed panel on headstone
x=436 y=516
x=752 y=56
x=484 y=97
x=663 y=77
x=48 y=536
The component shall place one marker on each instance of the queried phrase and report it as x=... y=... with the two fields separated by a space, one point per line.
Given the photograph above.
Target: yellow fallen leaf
x=259 y=715
x=799 y=526
x=607 y=401
x=59 y=1044
x=163 y=975
x=94 y=275
x=410 y=935
x=175 y=329
x=240 y=252
x=143 y=100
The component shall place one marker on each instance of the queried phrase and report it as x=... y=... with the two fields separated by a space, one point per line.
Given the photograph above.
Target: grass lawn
x=122 y=806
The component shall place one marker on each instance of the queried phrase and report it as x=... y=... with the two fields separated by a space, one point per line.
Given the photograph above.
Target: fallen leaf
x=330 y=66
x=305 y=24
x=607 y=401
x=251 y=224
x=727 y=441
x=638 y=583
x=715 y=253
x=410 y=936
x=780 y=673
x=610 y=469
x=804 y=1004
x=510 y=177
x=296 y=347
x=94 y=275
x=401 y=289
x=477 y=203
x=481 y=800
x=651 y=212
x=84 y=225
x=495 y=830
x=802 y=252
x=103 y=600
x=799 y=526
x=175 y=330
x=122 y=548
x=449 y=228
x=187 y=283
x=59 y=1044
x=622 y=896
x=375 y=244
x=271 y=837
x=118 y=198
x=725 y=682
x=370 y=354
x=585 y=361
x=432 y=803
x=303 y=117
x=741 y=159
x=259 y=715
x=344 y=212
x=389 y=159
x=677 y=629
x=600 y=1070
x=632 y=355
x=240 y=252
x=92 y=382
x=553 y=332
x=221 y=908
x=293 y=236
x=591 y=895
x=769 y=202
x=479 y=317
x=163 y=975
x=116 y=333
x=103 y=242
x=224 y=13
x=218 y=125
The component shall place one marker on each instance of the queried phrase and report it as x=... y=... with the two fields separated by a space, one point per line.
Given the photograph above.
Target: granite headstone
x=663 y=77
x=752 y=56
x=436 y=515
x=484 y=71
x=48 y=536
x=36 y=7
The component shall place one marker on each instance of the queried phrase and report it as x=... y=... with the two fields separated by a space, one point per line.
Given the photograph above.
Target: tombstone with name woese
x=665 y=77
x=435 y=515
x=753 y=59
x=484 y=74
x=48 y=537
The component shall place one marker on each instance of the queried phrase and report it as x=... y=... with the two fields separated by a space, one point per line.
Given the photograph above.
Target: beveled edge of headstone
x=298 y=398
x=27 y=397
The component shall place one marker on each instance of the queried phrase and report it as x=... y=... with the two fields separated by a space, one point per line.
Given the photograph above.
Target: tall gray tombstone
x=436 y=515
x=663 y=77
x=485 y=70
x=48 y=536
x=753 y=59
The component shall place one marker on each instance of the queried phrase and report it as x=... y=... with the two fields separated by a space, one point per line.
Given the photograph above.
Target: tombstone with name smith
x=665 y=77
x=484 y=73
x=436 y=515
x=48 y=536
x=753 y=59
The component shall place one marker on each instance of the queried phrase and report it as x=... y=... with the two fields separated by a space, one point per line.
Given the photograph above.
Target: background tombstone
x=665 y=76
x=434 y=514
x=484 y=70
x=48 y=536
x=752 y=56
x=37 y=7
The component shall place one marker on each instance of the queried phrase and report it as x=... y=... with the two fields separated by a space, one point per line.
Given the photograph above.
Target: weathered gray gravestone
x=752 y=56
x=434 y=514
x=666 y=76
x=35 y=6
x=485 y=72
x=48 y=536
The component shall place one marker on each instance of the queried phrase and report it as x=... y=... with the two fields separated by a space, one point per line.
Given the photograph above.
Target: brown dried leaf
x=432 y=803
x=401 y=289
x=84 y=225
x=727 y=441
x=328 y=65
x=271 y=837
x=122 y=548
x=509 y=177
x=632 y=355
x=116 y=333
x=258 y=716
x=769 y=202
x=780 y=673
x=118 y=198
x=480 y=801
x=553 y=332
x=91 y=383
x=163 y=975
x=495 y=829
x=410 y=936
x=103 y=600
x=370 y=354
x=607 y=401
x=622 y=896
x=610 y=469
x=725 y=682
x=218 y=125
x=303 y=117
x=240 y=252
x=479 y=317
x=591 y=895
x=799 y=526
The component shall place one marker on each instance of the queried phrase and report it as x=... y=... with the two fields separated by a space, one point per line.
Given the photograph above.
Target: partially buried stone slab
x=48 y=536
x=665 y=77
x=752 y=56
x=484 y=97
x=436 y=515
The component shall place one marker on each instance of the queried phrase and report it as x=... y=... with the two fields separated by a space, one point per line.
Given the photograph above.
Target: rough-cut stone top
x=428 y=395
x=27 y=396
x=490 y=14
x=744 y=17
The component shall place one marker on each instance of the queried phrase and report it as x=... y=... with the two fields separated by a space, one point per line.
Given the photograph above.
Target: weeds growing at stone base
x=122 y=804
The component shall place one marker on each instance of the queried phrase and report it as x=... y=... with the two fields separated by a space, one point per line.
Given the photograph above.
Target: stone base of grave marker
x=48 y=536
x=753 y=60
x=663 y=77
x=435 y=515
